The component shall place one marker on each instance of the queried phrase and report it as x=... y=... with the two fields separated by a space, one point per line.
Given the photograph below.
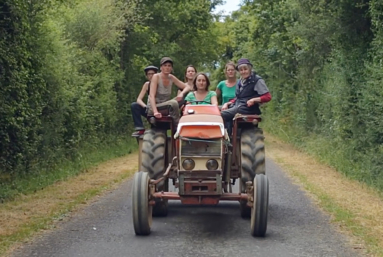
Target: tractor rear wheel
x=252 y=161
x=153 y=162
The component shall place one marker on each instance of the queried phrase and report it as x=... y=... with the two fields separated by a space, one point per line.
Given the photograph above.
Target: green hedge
x=60 y=64
x=323 y=63
x=69 y=71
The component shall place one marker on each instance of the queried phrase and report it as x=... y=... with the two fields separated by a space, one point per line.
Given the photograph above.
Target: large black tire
x=141 y=210
x=252 y=160
x=259 y=211
x=153 y=162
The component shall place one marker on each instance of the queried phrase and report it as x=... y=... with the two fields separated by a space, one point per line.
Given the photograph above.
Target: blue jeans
x=137 y=112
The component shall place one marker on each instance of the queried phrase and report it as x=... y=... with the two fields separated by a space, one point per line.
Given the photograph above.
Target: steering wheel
x=198 y=102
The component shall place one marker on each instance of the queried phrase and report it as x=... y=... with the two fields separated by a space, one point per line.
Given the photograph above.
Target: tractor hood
x=204 y=126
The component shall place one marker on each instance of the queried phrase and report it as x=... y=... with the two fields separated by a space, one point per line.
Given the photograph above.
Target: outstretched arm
x=143 y=92
x=181 y=85
x=225 y=106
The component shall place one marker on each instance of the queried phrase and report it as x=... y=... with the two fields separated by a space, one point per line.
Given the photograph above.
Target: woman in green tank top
x=226 y=88
x=201 y=91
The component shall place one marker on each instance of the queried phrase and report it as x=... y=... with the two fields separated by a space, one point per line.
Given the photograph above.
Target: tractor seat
x=153 y=119
x=244 y=118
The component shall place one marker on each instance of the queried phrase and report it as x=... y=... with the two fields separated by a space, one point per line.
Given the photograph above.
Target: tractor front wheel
x=141 y=209
x=258 y=223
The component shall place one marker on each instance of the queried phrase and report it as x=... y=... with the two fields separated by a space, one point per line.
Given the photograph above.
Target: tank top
x=163 y=92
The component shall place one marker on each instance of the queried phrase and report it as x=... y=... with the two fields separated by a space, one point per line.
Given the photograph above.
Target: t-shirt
x=191 y=97
x=227 y=92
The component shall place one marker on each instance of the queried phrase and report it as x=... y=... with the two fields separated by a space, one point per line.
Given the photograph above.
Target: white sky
x=231 y=5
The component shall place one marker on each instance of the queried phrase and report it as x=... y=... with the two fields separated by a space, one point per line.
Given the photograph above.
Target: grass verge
x=87 y=157
x=356 y=208
x=340 y=154
x=30 y=213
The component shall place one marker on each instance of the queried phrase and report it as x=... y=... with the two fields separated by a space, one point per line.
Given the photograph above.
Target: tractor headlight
x=188 y=164
x=212 y=164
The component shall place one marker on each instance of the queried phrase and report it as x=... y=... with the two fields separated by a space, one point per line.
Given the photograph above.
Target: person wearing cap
x=251 y=91
x=160 y=92
x=139 y=107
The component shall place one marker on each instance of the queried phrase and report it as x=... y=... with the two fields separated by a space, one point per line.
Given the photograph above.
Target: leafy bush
x=60 y=63
x=69 y=71
x=322 y=61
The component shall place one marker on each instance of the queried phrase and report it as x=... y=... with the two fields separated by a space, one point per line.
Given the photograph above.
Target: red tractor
x=203 y=162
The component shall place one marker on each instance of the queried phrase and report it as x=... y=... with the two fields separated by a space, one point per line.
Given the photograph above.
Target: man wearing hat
x=251 y=91
x=160 y=99
x=139 y=108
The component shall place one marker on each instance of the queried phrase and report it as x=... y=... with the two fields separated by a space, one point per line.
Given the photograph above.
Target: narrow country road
x=295 y=228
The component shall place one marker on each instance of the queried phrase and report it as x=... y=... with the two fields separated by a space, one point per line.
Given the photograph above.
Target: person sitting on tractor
x=251 y=91
x=226 y=88
x=190 y=72
x=201 y=93
x=161 y=89
x=139 y=107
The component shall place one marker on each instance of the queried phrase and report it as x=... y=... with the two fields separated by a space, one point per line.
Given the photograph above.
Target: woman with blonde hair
x=226 y=88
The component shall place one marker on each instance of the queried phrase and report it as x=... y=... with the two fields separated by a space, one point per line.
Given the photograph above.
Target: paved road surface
x=295 y=228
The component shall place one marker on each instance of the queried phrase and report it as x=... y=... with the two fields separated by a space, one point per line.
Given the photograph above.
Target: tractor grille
x=198 y=147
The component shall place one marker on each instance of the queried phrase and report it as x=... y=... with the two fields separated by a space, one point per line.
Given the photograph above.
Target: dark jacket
x=244 y=92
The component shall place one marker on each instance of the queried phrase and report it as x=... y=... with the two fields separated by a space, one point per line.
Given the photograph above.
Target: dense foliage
x=323 y=63
x=70 y=69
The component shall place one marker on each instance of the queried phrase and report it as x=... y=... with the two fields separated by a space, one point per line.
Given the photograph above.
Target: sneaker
x=138 y=133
